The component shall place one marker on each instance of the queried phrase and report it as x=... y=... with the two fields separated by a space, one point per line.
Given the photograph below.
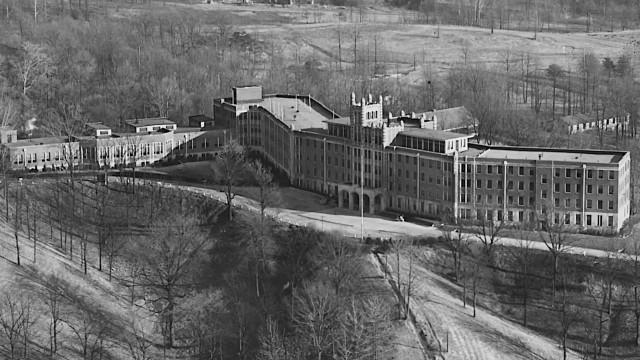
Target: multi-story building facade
x=369 y=161
x=405 y=164
x=101 y=147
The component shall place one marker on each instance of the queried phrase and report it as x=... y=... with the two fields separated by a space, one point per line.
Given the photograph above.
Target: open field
x=309 y=32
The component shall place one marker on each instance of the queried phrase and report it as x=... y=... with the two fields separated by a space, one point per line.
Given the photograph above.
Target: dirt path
x=485 y=337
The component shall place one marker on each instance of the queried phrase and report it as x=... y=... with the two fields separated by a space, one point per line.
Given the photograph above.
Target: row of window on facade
x=32 y=158
x=566 y=218
x=558 y=172
x=431 y=145
x=511 y=200
x=557 y=186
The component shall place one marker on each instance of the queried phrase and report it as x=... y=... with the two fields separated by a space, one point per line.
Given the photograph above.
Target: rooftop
x=546 y=154
x=432 y=134
x=49 y=140
x=149 y=122
x=295 y=113
x=452 y=118
x=340 y=121
x=588 y=117
x=98 y=126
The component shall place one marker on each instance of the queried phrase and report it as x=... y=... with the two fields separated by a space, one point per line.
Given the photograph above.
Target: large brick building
x=408 y=164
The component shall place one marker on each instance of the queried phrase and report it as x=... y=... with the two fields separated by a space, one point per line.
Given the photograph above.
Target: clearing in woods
x=311 y=32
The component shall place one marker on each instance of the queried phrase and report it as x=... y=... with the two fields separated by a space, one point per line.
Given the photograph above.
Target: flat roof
x=433 y=134
x=295 y=113
x=340 y=121
x=149 y=122
x=49 y=140
x=560 y=155
x=98 y=126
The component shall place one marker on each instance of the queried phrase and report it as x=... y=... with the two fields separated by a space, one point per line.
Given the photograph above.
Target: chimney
x=402 y=113
x=413 y=115
x=380 y=99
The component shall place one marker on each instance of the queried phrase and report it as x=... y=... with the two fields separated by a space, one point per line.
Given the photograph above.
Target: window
x=610 y=204
x=510 y=216
x=589 y=174
x=478 y=184
x=521 y=171
x=578 y=219
x=510 y=170
x=610 y=221
x=567 y=218
x=556 y=202
x=556 y=218
x=500 y=184
x=579 y=174
x=567 y=203
x=567 y=172
x=520 y=185
x=612 y=176
x=489 y=184
x=520 y=216
x=600 y=174
x=510 y=198
x=510 y=185
x=489 y=199
x=578 y=202
x=588 y=220
x=479 y=169
x=589 y=189
x=532 y=201
x=489 y=214
x=478 y=198
x=499 y=200
x=600 y=189
x=489 y=169
x=499 y=215
x=499 y=169
x=543 y=179
x=599 y=220
x=520 y=200
x=543 y=194
x=612 y=189
x=532 y=171
x=578 y=188
x=599 y=204
x=589 y=203
x=531 y=186
x=556 y=187
x=567 y=188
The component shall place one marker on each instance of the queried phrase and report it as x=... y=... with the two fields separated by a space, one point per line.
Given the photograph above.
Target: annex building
x=411 y=163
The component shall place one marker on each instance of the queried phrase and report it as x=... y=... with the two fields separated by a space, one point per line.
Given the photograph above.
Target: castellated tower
x=366 y=113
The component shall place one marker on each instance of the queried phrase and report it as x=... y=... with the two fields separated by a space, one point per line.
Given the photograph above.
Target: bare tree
x=555 y=239
x=137 y=342
x=315 y=320
x=488 y=234
x=13 y=314
x=90 y=331
x=168 y=256
x=523 y=256
x=232 y=165
x=272 y=345
x=457 y=243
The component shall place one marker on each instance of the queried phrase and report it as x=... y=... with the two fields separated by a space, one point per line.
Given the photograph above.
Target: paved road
x=349 y=223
